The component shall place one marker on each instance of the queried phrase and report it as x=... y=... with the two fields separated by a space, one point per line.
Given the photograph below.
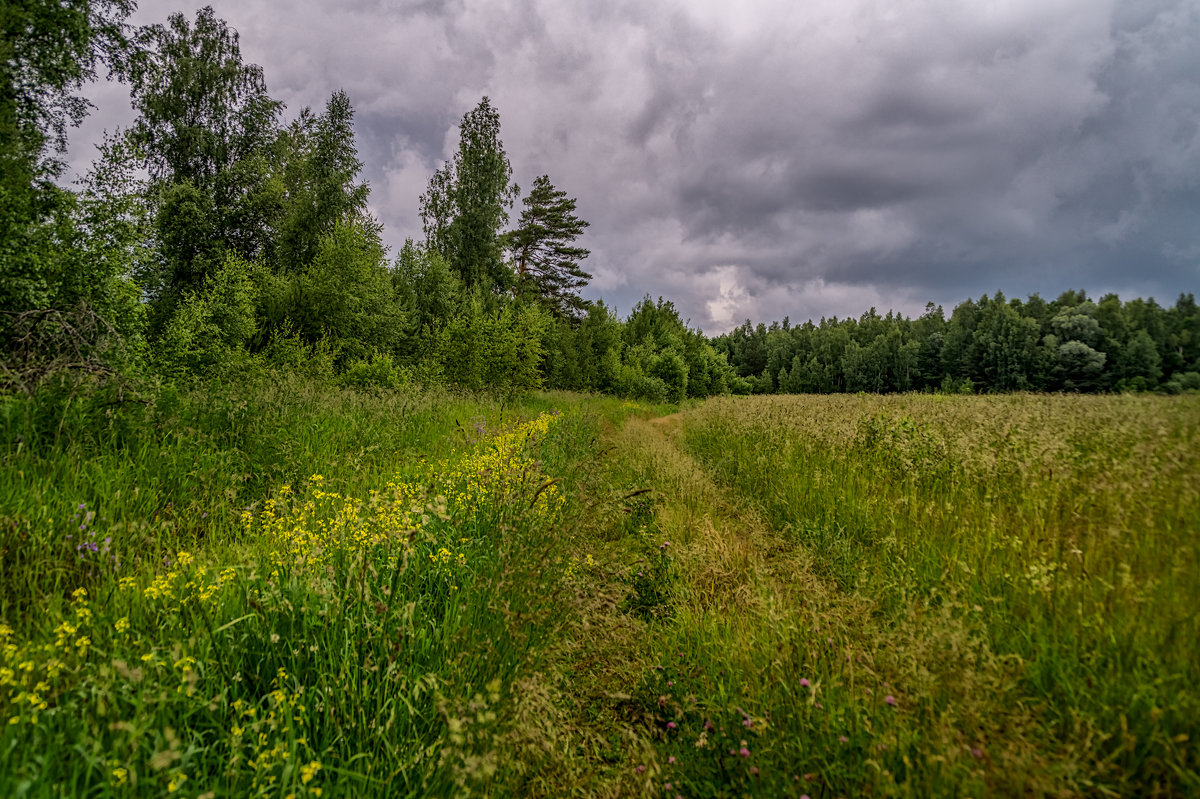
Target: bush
x=287 y=350
x=211 y=327
x=379 y=372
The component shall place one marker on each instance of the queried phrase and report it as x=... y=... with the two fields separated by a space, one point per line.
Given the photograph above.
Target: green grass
x=301 y=591
x=245 y=628
x=1030 y=568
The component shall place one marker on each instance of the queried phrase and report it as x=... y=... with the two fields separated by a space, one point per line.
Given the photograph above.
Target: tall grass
x=279 y=589
x=1046 y=545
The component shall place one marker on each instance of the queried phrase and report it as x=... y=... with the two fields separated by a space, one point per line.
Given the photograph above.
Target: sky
x=774 y=158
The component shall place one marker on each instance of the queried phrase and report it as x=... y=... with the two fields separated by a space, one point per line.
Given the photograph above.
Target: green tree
x=544 y=256
x=600 y=346
x=1140 y=365
x=205 y=128
x=1079 y=366
x=426 y=285
x=202 y=110
x=48 y=50
x=211 y=325
x=957 y=352
x=347 y=294
x=467 y=201
x=1005 y=346
x=319 y=168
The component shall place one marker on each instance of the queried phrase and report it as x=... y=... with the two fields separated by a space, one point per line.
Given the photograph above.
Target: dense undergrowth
x=285 y=589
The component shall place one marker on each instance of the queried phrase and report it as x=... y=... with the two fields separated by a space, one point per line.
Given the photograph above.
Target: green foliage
x=48 y=50
x=378 y=372
x=545 y=260
x=319 y=169
x=426 y=286
x=467 y=201
x=498 y=348
x=287 y=350
x=212 y=326
x=204 y=132
x=345 y=295
x=991 y=345
x=201 y=110
x=671 y=369
x=1006 y=347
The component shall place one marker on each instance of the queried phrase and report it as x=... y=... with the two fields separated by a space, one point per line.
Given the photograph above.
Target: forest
x=286 y=514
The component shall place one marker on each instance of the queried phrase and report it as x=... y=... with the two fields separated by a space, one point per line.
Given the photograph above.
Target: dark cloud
x=781 y=158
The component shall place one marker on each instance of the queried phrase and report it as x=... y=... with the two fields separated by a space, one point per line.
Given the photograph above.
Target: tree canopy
x=465 y=207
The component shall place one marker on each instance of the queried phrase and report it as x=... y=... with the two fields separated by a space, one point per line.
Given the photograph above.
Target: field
x=286 y=590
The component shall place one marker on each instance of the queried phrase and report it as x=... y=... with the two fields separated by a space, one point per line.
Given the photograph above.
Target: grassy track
x=1028 y=569
x=288 y=590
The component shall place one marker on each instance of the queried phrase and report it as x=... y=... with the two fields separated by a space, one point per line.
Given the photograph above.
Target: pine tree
x=544 y=257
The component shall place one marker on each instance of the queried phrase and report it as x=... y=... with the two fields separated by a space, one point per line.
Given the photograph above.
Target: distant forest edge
x=988 y=345
x=214 y=234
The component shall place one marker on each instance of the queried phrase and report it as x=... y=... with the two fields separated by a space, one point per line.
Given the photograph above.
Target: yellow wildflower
x=309 y=771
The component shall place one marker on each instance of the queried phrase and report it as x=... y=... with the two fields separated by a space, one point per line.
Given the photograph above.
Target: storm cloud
x=766 y=159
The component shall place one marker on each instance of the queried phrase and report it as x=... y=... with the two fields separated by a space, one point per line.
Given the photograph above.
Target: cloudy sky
x=774 y=157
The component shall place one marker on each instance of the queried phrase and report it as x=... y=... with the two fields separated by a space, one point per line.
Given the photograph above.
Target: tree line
x=987 y=345
x=216 y=233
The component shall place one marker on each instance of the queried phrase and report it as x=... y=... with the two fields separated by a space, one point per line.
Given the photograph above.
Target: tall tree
x=205 y=128
x=320 y=172
x=201 y=108
x=544 y=256
x=467 y=202
x=48 y=50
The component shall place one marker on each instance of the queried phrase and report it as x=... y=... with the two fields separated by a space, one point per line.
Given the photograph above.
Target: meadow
x=282 y=589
